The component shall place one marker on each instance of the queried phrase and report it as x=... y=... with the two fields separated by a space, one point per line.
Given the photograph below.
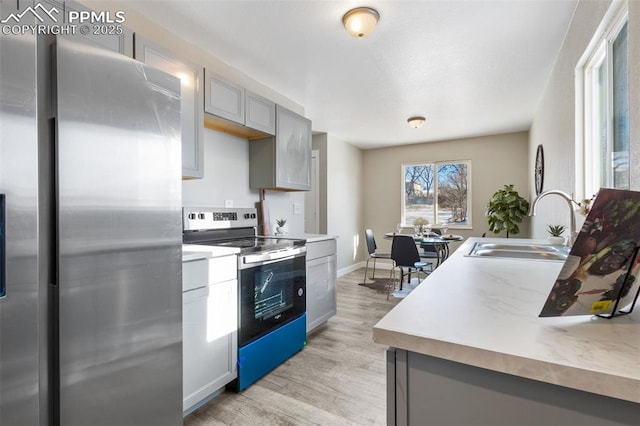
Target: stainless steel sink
x=517 y=247
x=519 y=251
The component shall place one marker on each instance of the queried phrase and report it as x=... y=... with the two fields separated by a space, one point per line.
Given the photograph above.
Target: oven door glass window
x=270 y=296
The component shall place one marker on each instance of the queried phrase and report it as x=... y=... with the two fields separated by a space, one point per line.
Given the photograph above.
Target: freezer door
x=119 y=230
x=20 y=314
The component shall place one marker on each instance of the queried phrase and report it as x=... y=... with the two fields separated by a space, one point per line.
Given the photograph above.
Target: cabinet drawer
x=321 y=249
x=198 y=273
x=194 y=274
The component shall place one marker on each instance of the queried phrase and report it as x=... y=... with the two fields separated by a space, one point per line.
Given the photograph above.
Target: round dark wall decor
x=539 y=170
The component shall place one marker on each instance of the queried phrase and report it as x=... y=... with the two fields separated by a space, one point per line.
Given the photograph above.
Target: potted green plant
x=555 y=234
x=280 y=229
x=506 y=210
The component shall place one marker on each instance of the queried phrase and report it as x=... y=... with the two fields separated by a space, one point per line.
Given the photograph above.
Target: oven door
x=271 y=293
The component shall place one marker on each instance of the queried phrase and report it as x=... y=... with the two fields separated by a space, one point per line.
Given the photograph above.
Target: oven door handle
x=276 y=255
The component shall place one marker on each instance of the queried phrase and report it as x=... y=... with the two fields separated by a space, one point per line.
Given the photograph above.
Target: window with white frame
x=437 y=191
x=605 y=123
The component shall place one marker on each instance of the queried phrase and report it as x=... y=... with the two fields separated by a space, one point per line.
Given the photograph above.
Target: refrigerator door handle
x=3 y=275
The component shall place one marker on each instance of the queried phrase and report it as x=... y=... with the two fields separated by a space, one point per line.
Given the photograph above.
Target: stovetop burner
x=257 y=244
x=245 y=243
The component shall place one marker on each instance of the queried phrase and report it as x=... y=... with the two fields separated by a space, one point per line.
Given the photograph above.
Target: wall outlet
x=297 y=208
x=228 y=203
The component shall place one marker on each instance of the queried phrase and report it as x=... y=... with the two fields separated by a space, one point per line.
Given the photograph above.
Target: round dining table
x=434 y=246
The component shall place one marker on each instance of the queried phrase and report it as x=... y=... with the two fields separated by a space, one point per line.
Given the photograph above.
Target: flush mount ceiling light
x=415 y=122
x=361 y=21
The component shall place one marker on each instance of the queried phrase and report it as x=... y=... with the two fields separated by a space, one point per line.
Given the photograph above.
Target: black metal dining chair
x=372 y=248
x=434 y=251
x=405 y=255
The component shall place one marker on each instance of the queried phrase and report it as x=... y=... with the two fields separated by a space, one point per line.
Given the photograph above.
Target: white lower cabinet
x=209 y=327
x=321 y=282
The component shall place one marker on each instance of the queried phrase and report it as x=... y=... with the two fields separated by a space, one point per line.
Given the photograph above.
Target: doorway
x=312 y=197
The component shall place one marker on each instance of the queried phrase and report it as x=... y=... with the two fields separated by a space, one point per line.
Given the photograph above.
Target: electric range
x=271 y=287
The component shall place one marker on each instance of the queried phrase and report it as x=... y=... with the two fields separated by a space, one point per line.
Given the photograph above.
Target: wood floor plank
x=337 y=379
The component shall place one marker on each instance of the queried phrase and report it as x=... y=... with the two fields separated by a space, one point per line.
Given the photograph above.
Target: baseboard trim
x=380 y=264
x=351 y=268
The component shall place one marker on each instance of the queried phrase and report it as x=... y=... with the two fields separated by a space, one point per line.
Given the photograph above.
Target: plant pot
x=280 y=230
x=556 y=241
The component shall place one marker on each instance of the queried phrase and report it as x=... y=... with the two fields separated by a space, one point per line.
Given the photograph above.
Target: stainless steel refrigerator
x=90 y=237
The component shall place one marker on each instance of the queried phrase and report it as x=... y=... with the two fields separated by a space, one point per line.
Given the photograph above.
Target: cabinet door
x=224 y=99
x=293 y=150
x=190 y=76
x=321 y=290
x=260 y=113
x=209 y=323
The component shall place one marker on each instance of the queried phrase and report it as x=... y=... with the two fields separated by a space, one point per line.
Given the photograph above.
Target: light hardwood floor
x=337 y=379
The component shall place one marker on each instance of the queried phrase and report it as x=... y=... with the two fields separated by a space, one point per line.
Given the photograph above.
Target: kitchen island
x=467 y=347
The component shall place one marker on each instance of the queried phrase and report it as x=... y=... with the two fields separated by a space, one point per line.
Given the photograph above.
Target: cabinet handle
x=3 y=255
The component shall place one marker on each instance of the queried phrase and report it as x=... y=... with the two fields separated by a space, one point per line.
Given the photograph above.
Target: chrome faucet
x=570 y=202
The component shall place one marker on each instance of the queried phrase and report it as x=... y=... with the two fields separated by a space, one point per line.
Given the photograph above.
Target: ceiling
x=471 y=67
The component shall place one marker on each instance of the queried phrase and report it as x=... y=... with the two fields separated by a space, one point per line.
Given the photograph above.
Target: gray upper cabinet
x=238 y=105
x=224 y=99
x=283 y=162
x=260 y=113
x=191 y=77
x=113 y=36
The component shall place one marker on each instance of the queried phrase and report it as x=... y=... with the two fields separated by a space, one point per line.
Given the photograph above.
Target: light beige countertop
x=484 y=312
x=196 y=252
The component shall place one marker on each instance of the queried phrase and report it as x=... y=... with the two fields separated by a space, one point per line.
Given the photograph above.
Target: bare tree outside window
x=418 y=182
x=438 y=192
x=452 y=194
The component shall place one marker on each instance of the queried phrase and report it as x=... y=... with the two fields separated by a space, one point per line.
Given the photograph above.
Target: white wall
x=281 y=207
x=495 y=161
x=226 y=174
x=226 y=177
x=554 y=122
x=344 y=200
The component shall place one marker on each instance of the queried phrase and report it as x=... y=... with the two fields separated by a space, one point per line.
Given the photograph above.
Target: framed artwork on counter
x=600 y=275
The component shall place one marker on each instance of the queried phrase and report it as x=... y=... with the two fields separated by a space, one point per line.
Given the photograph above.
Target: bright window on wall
x=438 y=191
x=606 y=108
